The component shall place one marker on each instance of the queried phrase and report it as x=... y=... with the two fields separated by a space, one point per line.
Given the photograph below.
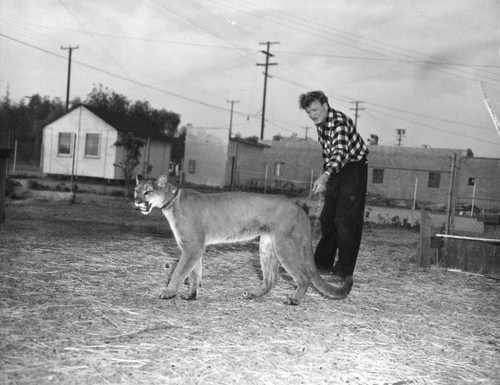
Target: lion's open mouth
x=144 y=207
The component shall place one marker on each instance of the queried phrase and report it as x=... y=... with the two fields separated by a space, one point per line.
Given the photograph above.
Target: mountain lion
x=198 y=220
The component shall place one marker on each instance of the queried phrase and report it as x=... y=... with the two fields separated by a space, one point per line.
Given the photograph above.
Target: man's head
x=315 y=103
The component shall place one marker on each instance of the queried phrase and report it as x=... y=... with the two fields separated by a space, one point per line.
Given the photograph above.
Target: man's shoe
x=324 y=269
x=336 y=278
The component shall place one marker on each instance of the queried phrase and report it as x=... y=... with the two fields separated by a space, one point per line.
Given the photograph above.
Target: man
x=343 y=181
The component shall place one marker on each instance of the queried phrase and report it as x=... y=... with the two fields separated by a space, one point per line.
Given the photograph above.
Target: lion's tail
x=330 y=291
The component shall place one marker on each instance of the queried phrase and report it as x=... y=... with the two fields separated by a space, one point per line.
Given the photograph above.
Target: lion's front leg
x=194 y=283
x=186 y=264
x=170 y=270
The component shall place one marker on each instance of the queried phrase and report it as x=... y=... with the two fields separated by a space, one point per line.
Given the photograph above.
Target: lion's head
x=150 y=193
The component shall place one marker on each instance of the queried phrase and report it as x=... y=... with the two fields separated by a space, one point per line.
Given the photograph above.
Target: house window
x=191 y=166
x=92 y=145
x=434 y=180
x=278 y=168
x=378 y=176
x=64 y=146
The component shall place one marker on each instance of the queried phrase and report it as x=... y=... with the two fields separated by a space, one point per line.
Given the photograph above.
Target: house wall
x=205 y=156
x=159 y=158
x=486 y=174
x=79 y=122
x=405 y=169
x=299 y=158
x=249 y=162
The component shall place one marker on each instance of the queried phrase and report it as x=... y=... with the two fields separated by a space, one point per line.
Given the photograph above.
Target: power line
x=400 y=132
x=70 y=50
x=231 y=118
x=306 y=130
x=148 y=86
x=141 y=84
x=419 y=123
x=356 y=109
x=218 y=46
x=267 y=64
x=325 y=32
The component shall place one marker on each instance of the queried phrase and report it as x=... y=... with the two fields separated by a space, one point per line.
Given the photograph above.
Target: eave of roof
x=127 y=124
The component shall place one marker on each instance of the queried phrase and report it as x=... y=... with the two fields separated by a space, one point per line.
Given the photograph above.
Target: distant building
x=478 y=180
x=406 y=174
x=82 y=143
x=212 y=159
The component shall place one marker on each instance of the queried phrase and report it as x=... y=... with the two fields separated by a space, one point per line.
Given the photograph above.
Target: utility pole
x=267 y=64
x=356 y=109
x=400 y=133
x=307 y=130
x=70 y=49
x=231 y=118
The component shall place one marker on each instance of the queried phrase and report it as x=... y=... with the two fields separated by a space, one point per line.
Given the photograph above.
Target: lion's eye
x=147 y=192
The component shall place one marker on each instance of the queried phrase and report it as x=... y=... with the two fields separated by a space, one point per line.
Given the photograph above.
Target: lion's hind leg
x=289 y=253
x=270 y=266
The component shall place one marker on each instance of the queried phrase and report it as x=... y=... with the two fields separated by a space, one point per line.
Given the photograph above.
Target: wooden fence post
x=425 y=239
x=4 y=155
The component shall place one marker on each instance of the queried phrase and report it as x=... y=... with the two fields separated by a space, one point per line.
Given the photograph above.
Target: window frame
x=192 y=166
x=69 y=146
x=278 y=169
x=87 y=136
x=378 y=176
x=434 y=180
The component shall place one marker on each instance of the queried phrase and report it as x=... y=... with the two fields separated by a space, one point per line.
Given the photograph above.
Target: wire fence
x=462 y=198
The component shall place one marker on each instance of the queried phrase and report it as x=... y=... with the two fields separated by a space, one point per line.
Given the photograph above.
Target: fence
x=472 y=243
x=24 y=157
x=462 y=195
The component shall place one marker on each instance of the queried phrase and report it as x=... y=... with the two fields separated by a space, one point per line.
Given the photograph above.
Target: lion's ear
x=138 y=179
x=162 y=181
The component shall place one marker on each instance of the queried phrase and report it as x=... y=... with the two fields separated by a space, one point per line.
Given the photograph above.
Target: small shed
x=213 y=159
x=82 y=143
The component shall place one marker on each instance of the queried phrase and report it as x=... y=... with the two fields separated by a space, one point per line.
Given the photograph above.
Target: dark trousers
x=342 y=219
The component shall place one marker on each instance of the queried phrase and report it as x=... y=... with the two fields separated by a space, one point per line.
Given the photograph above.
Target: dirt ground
x=79 y=287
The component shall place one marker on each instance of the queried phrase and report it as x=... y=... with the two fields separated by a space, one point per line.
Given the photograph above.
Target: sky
x=414 y=65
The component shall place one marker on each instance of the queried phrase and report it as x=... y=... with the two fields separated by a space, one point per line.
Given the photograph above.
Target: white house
x=82 y=143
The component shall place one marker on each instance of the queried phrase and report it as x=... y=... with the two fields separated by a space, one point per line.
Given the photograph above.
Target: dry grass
x=78 y=305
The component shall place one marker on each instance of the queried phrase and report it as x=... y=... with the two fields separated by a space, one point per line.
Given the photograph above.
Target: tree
x=131 y=154
x=178 y=146
x=252 y=139
x=23 y=123
x=105 y=99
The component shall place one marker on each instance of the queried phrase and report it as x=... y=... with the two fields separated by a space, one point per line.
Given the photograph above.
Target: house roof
x=250 y=143
x=438 y=159
x=125 y=124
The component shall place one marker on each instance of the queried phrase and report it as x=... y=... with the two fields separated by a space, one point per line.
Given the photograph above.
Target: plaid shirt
x=340 y=141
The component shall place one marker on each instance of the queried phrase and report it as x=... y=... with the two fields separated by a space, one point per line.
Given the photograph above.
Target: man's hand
x=319 y=185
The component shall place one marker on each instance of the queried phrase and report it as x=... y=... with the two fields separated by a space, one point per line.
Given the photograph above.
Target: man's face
x=317 y=112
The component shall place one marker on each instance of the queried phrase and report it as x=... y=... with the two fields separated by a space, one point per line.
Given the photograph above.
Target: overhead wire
x=326 y=33
x=232 y=46
x=422 y=124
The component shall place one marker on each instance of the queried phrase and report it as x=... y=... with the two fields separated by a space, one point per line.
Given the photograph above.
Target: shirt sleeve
x=339 y=146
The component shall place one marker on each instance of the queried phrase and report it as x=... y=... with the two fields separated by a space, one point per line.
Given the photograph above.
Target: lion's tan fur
x=198 y=220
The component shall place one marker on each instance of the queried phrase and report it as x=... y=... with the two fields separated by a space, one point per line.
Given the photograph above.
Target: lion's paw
x=249 y=295
x=291 y=301
x=189 y=297
x=166 y=294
